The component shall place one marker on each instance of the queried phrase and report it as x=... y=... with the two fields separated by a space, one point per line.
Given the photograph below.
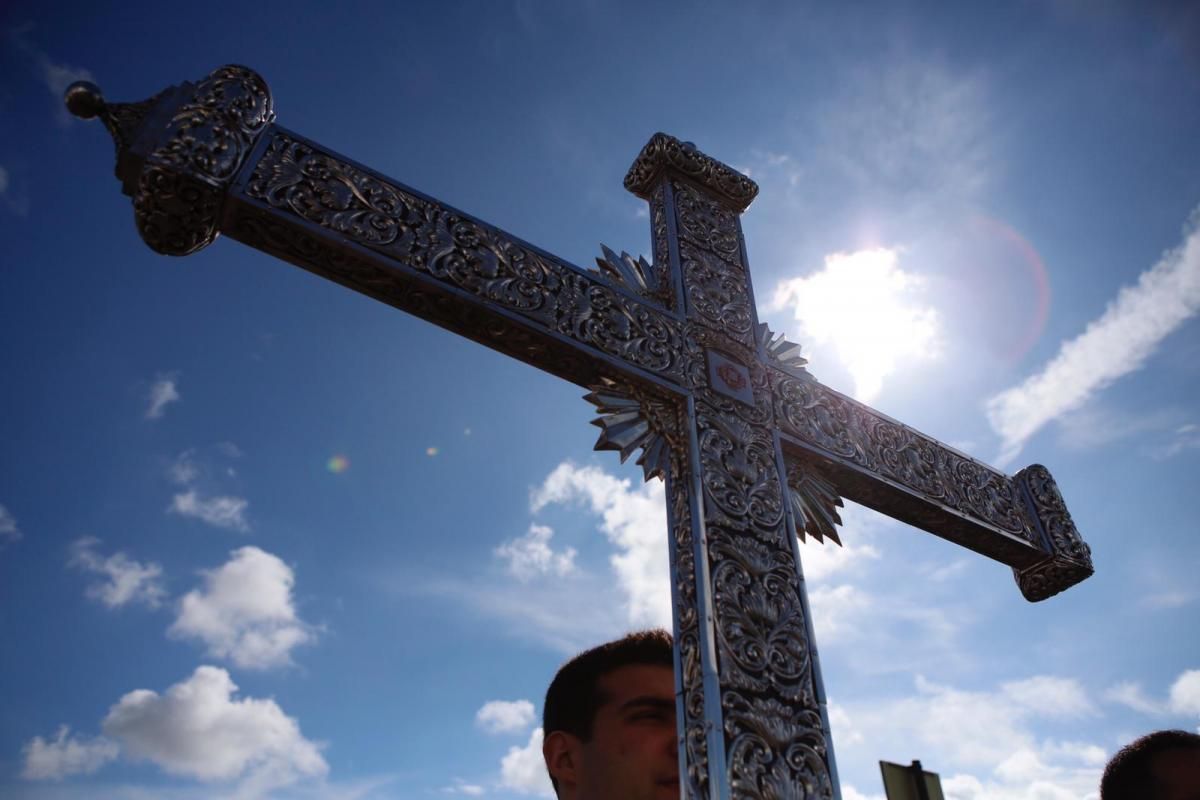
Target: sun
x=861 y=308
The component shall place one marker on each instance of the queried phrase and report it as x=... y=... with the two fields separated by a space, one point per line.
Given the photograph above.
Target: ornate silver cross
x=754 y=451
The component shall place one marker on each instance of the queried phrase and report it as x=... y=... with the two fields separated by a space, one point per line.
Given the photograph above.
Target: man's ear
x=561 y=752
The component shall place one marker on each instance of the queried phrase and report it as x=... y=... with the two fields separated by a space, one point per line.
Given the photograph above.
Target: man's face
x=632 y=754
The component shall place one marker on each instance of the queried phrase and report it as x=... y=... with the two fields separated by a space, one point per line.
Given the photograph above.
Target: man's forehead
x=636 y=680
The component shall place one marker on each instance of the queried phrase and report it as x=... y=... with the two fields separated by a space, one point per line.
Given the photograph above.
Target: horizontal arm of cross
x=339 y=220
x=871 y=459
x=206 y=158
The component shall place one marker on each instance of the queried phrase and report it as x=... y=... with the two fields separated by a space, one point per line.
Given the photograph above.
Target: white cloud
x=1049 y=696
x=864 y=309
x=1113 y=345
x=163 y=392
x=125 y=580
x=504 y=716
x=1131 y=695
x=189 y=467
x=219 y=511
x=1185 y=437
x=1185 y=693
x=1182 y=698
x=565 y=616
x=54 y=75
x=9 y=532
x=57 y=77
x=3 y=180
x=244 y=612
x=66 y=755
x=836 y=610
x=841 y=726
x=463 y=787
x=199 y=729
x=824 y=560
x=916 y=129
x=524 y=770
x=1093 y=425
x=1008 y=762
x=184 y=469
x=634 y=521
x=531 y=555
x=850 y=793
x=1172 y=598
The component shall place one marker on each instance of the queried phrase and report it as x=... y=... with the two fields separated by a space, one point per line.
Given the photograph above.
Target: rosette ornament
x=179 y=151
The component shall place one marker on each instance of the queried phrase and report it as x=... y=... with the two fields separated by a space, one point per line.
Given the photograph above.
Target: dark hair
x=574 y=695
x=1129 y=775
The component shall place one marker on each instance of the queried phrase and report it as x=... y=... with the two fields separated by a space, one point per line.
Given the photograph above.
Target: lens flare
x=1037 y=299
x=431 y=451
x=337 y=464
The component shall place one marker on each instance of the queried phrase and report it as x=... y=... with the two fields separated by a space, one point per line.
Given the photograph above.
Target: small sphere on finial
x=84 y=100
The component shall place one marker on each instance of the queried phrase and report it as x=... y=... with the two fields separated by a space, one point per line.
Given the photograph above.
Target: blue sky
x=356 y=547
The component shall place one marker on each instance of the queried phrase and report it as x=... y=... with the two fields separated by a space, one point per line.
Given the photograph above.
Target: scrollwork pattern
x=175 y=214
x=739 y=478
x=1051 y=511
x=210 y=135
x=181 y=188
x=267 y=232
x=1070 y=560
x=295 y=177
x=817 y=415
x=707 y=223
x=775 y=743
x=717 y=293
x=662 y=249
x=687 y=632
x=664 y=152
x=780 y=749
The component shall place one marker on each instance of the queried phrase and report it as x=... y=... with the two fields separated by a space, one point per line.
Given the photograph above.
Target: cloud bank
x=9 y=532
x=504 y=716
x=220 y=511
x=244 y=612
x=524 y=770
x=199 y=729
x=124 y=581
x=531 y=555
x=163 y=392
x=1118 y=342
x=66 y=755
x=634 y=521
x=863 y=308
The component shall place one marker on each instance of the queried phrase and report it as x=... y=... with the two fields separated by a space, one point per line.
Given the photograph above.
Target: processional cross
x=754 y=451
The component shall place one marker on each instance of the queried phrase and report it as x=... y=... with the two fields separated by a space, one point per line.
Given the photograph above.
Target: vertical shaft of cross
x=752 y=721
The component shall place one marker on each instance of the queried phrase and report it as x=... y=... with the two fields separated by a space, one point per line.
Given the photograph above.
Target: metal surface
x=753 y=449
x=910 y=782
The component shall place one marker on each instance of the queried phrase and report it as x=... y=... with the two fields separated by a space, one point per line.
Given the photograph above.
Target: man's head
x=1164 y=765
x=609 y=722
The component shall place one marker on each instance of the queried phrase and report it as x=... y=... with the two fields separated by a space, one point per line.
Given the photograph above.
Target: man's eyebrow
x=648 y=701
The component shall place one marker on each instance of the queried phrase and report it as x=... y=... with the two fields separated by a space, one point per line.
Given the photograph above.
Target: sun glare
x=861 y=308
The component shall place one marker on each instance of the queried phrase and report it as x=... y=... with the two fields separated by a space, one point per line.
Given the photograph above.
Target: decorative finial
x=84 y=99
